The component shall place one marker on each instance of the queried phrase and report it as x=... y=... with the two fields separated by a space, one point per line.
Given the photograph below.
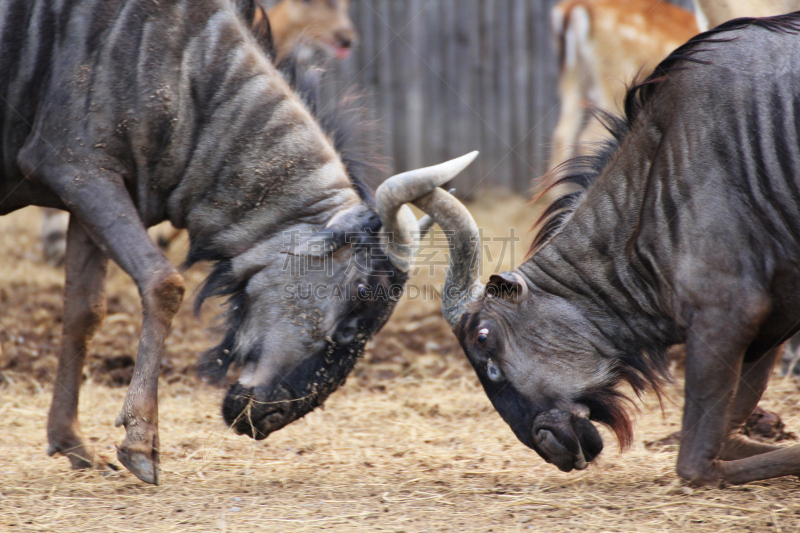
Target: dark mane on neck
x=585 y=169
x=582 y=171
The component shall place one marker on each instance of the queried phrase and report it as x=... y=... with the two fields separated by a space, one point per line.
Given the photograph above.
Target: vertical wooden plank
x=541 y=105
x=366 y=64
x=522 y=117
x=503 y=79
x=367 y=78
x=469 y=126
x=399 y=87
x=384 y=36
x=549 y=92
x=461 y=86
x=450 y=71
x=481 y=100
x=412 y=39
x=433 y=103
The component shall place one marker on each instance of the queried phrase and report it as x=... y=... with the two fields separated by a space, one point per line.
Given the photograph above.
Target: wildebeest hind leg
x=84 y=309
x=102 y=204
x=752 y=384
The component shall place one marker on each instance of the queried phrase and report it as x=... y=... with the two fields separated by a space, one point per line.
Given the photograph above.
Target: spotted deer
x=603 y=45
x=319 y=29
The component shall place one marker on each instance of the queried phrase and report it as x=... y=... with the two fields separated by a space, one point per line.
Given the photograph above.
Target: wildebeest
x=312 y=31
x=686 y=229
x=130 y=112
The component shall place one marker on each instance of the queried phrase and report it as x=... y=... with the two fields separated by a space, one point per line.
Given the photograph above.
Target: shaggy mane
x=585 y=169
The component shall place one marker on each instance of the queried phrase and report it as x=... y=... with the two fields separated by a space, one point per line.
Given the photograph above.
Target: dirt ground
x=411 y=443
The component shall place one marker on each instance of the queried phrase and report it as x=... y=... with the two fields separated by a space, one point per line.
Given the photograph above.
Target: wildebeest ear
x=255 y=16
x=262 y=29
x=507 y=285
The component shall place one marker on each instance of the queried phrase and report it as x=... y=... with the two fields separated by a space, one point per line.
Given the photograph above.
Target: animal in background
x=712 y=13
x=106 y=118
x=685 y=228
x=602 y=46
x=316 y=30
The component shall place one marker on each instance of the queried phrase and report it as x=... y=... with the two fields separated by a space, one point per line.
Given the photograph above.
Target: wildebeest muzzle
x=258 y=411
x=565 y=440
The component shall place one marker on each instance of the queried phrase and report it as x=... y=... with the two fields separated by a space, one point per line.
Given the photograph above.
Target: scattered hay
x=422 y=455
x=411 y=443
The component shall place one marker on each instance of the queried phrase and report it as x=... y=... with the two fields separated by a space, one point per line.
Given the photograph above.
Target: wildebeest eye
x=492 y=370
x=483 y=334
x=362 y=291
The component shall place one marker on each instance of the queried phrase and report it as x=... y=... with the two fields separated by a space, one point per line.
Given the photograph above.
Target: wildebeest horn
x=462 y=285
x=399 y=224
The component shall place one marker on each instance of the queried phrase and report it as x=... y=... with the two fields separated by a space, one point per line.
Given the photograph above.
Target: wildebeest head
x=534 y=357
x=536 y=353
x=303 y=304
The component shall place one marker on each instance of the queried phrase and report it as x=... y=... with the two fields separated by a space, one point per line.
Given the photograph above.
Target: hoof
x=142 y=465
x=81 y=456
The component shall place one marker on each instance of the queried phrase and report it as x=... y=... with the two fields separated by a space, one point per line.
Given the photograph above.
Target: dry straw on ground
x=411 y=443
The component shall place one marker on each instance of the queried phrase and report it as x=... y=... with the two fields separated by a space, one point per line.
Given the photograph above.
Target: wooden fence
x=445 y=77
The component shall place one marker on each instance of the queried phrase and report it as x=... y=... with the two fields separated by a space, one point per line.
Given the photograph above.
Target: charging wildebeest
x=130 y=112
x=686 y=229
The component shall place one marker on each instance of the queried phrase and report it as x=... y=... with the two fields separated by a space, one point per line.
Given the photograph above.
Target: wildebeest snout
x=565 y=440
x=256 y=412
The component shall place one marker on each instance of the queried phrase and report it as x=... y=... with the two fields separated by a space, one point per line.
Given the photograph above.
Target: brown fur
x=622 y=39
x=324 y=23
x=712 y=13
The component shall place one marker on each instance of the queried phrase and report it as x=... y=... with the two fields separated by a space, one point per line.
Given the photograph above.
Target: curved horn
x=399 y=224
x=462 y=285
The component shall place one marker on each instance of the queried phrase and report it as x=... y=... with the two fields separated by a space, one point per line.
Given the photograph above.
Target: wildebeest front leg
x=715 y=349
x=84 y=309
x=102 y=204
x=713 y=363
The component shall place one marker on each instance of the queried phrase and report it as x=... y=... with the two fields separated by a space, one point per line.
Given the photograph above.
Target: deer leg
x=102 y=204
x=752 y=384
x=84 y=310
x=54 y=234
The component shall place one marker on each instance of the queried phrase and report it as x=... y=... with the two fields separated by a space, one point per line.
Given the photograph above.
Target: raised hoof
x=142 y=465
